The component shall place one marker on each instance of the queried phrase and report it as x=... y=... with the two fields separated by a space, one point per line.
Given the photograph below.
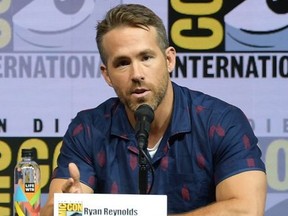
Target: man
x=203 y=150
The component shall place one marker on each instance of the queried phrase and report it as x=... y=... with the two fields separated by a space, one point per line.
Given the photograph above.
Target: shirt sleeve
x=235 y=147
x=77 y=148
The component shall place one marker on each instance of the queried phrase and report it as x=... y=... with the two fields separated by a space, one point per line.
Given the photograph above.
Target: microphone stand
x=143 y=171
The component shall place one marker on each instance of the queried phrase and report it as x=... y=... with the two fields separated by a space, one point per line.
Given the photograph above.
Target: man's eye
x=122 y=63
x=145 y=58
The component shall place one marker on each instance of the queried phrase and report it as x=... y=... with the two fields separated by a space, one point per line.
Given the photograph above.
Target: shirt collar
x=181 y=116
x=120 y=126
x=180 y=123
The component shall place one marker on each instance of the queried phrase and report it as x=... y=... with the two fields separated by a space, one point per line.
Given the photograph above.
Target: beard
x=158 y=93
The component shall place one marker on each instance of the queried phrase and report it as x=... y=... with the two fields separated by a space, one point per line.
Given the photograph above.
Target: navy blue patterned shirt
x=207 y=141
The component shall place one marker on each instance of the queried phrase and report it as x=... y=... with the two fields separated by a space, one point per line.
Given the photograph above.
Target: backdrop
x=49 y=70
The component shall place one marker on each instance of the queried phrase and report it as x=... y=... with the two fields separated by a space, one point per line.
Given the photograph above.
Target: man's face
x=136 y=68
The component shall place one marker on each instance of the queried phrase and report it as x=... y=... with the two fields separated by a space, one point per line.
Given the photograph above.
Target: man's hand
x=72 y=185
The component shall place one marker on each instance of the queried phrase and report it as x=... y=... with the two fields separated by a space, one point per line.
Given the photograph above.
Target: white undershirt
x=153 y=150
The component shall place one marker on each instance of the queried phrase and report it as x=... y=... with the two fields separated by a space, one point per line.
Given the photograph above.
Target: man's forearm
x=47 y=210
x=232 y=207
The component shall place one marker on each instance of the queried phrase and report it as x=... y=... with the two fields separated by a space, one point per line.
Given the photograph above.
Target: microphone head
x=144 y=115
x=144 y=111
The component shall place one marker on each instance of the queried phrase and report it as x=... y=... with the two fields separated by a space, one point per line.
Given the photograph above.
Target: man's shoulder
x=200 y=99
x=103 y=110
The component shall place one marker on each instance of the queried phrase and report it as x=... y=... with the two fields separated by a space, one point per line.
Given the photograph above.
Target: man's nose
x=137 y=72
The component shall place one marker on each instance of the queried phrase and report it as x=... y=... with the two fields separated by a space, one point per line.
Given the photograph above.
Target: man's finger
x=67 y=185
x=74 y=172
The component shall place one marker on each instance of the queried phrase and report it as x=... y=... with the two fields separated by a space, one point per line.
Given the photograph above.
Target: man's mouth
x=140 y=92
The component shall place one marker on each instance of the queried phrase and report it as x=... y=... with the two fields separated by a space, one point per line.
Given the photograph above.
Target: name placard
x=66 y=204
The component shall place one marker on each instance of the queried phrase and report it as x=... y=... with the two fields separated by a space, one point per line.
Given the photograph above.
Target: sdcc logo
x=70 y=209
x=50 y=24
x=239 y=25
x=230 y=39
x=257 y=25
x=55 y=25
x=50 y=38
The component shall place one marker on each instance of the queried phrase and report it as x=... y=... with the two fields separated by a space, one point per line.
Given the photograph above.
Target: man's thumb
x=74 y=172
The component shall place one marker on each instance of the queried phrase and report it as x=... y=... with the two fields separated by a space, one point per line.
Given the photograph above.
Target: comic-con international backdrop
x=49 y=70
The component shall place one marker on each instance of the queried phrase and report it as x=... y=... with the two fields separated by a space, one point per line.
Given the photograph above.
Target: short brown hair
x=133 y=15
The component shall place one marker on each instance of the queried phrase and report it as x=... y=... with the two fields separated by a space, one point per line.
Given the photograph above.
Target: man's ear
x=171 y=58
x=105 y=74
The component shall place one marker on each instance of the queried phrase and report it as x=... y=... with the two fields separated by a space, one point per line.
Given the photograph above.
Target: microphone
x=144 y=115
